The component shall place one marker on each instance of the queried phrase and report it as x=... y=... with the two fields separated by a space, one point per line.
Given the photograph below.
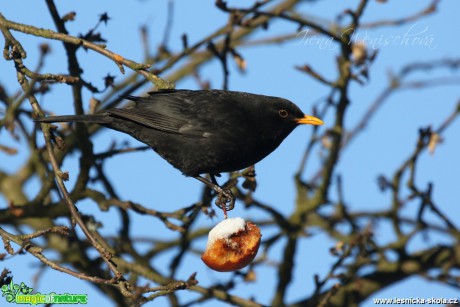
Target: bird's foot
x=225 y=200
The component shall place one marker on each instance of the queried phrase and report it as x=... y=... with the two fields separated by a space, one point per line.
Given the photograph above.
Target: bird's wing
x=169 y=113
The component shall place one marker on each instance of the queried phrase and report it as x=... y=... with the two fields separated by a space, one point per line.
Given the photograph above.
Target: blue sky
x=387 y=141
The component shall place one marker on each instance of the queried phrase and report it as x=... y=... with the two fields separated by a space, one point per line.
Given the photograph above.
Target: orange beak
x=310 y=120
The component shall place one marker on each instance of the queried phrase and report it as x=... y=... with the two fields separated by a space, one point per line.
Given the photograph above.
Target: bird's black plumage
x=198 y=132
x=207 y=131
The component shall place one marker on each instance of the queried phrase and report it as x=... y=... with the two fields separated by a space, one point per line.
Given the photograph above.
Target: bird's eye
x=283 y=113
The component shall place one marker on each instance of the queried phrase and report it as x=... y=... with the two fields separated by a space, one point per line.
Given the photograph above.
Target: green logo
x=21 y=294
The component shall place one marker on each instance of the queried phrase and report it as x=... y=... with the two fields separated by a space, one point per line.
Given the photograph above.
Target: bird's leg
x=225 y=199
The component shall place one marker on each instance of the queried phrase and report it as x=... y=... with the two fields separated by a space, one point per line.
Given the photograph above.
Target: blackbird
x=205 y=131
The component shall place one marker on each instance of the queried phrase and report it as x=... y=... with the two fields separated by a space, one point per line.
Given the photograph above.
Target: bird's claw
x=225 y=200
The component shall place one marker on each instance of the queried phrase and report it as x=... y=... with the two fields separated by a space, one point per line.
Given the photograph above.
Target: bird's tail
x=91 y=118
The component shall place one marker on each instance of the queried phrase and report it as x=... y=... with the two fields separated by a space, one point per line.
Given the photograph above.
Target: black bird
x=206 y=131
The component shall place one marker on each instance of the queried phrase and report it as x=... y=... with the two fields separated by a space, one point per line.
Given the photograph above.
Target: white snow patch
x=225 y=229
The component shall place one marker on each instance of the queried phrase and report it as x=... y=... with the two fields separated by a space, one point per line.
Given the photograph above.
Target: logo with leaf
x=12 y=290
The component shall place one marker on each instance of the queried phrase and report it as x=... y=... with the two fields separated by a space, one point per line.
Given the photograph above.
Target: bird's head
x=284 y=113
x=289 y=112
x=278 y=117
